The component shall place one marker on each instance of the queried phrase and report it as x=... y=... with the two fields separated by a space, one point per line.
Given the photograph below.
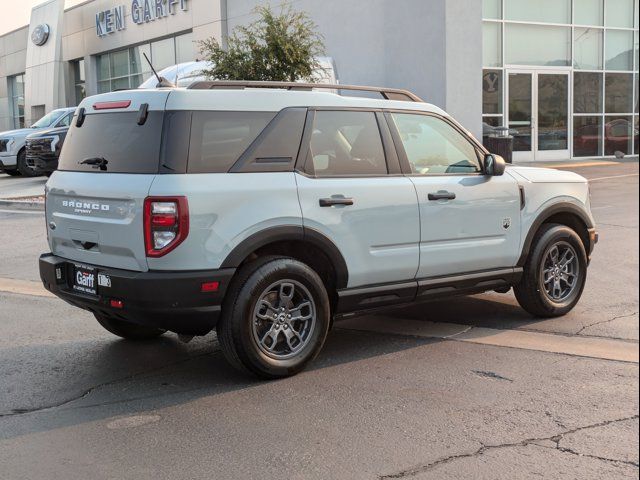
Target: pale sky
x=15 y=13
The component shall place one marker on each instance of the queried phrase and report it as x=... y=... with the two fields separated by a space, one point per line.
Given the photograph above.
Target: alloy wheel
x=283 y=319
x=560 y=271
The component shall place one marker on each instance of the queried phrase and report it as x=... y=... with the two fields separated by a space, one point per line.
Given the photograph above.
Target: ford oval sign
x=40 y=34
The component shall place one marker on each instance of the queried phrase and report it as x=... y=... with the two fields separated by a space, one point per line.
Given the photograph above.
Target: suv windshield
x=48 y=119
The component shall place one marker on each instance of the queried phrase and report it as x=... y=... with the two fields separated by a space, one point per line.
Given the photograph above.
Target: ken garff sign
x=142 y=11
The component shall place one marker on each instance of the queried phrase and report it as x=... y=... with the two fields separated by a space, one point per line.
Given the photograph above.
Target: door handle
x=442 y=195
x=330 y=202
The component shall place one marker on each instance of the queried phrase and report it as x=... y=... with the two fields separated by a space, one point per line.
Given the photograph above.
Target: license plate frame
x=84 y=280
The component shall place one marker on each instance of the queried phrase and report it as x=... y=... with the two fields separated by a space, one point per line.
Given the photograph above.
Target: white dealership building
x=561 y=75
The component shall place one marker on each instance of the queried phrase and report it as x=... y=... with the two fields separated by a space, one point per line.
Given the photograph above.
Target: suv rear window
x=212 y=140
x=126 y=146
x=219 y=138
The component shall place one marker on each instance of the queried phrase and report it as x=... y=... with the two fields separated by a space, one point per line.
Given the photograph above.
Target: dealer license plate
x=84 y=279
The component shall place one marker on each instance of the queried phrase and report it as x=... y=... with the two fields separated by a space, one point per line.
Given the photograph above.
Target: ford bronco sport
x=265 y=210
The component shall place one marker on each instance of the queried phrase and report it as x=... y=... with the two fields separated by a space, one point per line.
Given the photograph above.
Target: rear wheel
x=128 y=330
x=275 y=318
x=554 y=274
x=23 y=168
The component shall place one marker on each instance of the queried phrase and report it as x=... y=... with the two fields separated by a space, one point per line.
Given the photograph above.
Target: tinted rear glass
x=219 y=138
x=117 y=138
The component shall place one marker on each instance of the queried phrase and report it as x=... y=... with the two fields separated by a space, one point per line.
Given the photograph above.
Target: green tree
x=275 y=47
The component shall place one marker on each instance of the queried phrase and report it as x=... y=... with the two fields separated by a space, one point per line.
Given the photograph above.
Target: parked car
x=184 y=74
x=13 y=154
x=43 y=149
x=265 y=213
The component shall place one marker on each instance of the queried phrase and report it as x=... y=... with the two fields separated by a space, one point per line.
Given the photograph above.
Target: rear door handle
x=442 y=195
x=330 y=202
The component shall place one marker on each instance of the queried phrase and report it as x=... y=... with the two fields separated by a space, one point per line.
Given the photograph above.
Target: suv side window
x=346 y=143
x=433 y=146
x=219 y=138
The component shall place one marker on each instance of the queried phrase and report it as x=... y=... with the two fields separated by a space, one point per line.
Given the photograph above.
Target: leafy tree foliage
x=275 y=47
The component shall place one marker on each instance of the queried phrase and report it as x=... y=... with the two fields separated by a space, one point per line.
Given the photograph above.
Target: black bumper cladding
x=170 y=300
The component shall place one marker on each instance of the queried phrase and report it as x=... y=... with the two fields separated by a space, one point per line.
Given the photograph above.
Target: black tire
x=531 y=292
x=130 y=331
x=12 y=172
x=238 y=325
x=48 y=174
x=24 y=169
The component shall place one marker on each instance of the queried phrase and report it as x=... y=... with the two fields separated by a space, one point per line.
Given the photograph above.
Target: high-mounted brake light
x=166 y=224
x=111 y=105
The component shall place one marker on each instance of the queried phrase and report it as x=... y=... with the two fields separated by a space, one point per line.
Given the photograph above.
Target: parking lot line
x=592 y=347
x=23 y=287
x=614 y=176
x=601 y=348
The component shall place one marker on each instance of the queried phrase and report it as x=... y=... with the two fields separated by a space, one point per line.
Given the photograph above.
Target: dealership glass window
x=618 y=91
x=587 y=92
x=492 y=92
x=492 y=9
x=119 y=63
x=77 y=68
x=185 y=48
x=588 y=12
x=549 y=11
x=636 y=135
x=619 y=50
x=635 y=95
x=537 y=45
x=16 y=99
x=587 y=48
x=163 y=53
x=587 y=136
x=618 y=135
x=619 y=13
x=127 y=68
x=138 y=66
x=491 y=44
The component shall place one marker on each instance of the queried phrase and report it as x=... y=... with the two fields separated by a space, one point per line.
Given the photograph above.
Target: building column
x=44 y=73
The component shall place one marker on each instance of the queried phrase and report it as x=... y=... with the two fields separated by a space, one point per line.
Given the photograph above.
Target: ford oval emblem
x=40 y=34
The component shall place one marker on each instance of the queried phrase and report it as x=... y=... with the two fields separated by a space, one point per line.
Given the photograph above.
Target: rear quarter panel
x=224 y=209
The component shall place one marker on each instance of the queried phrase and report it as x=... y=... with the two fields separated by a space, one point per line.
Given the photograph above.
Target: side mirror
x=494 y=165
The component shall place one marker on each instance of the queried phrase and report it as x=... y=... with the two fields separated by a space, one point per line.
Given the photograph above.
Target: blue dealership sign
x=142 y=11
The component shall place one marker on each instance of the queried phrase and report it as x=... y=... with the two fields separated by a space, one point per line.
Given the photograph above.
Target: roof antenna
x=162 y=82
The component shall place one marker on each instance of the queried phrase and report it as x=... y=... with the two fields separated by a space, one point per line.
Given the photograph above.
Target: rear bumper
x=169 y=300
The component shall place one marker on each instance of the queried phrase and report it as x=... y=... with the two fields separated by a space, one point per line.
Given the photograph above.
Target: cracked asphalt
x=77 y=403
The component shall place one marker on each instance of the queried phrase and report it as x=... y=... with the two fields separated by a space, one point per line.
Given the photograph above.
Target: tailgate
x=98 y=219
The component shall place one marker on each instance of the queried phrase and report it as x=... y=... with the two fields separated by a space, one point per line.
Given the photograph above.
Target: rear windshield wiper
x=96 y=162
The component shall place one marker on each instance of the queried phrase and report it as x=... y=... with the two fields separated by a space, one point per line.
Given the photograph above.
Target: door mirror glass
x=494 y=165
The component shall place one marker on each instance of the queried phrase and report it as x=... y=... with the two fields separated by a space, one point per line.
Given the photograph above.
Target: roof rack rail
x=386 y=93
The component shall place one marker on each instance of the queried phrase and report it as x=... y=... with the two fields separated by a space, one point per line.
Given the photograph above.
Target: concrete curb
x=22 y=205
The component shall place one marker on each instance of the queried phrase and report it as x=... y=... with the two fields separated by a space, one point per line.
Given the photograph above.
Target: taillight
x=166 y=224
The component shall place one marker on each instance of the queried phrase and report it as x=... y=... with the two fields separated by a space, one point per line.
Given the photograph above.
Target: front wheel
x=24 y=169
x=275 y=317
x=554 y=274
x=130 y=331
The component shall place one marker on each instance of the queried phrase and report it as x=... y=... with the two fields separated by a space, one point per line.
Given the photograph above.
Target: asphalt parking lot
x=466 y=388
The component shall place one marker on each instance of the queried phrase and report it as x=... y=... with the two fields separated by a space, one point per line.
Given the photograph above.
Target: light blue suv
x=265 y=210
